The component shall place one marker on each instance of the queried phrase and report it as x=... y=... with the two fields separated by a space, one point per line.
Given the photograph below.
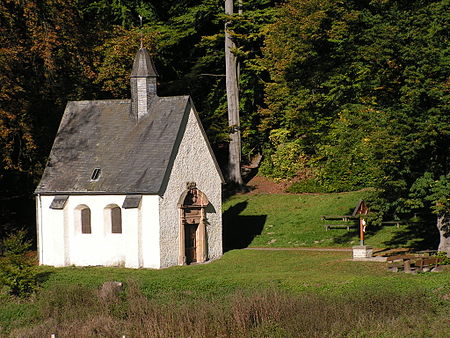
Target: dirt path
x=263 y=185
x=377 y=257
x=302 y=249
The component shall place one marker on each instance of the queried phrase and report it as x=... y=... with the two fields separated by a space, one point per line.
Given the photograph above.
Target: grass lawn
x=289 y=220
x=247 y=293
x=297 y=271
x=225 y=287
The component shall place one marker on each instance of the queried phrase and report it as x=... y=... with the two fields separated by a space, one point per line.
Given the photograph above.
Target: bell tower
x=143 y=84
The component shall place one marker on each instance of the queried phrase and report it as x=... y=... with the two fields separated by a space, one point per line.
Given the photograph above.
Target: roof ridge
x=101 y=101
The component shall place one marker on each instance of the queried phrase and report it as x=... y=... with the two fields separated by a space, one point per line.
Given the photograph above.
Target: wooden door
x=190 y=242
x=192 y=239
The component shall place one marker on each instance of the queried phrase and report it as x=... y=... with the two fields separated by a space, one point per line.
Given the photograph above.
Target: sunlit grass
x=289 y=220
x=234 y=289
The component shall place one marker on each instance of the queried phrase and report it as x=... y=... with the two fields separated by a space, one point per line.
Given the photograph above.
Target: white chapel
x=130 y=183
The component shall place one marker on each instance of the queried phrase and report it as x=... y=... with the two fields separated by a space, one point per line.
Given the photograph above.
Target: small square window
x=95 y=174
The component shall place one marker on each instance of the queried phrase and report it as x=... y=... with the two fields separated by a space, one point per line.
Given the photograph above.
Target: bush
x=286 y=158
x=309 y=185
x=444 y=256
x=361 y=149
x=17 y=271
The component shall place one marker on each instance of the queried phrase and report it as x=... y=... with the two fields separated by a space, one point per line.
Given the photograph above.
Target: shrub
x=360 y=145
x=286 y=159
x=444 y=256
x=308 y=185
x=17 y=271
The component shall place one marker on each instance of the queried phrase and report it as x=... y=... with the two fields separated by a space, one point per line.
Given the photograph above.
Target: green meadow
x=293 y=220
x=248 y=292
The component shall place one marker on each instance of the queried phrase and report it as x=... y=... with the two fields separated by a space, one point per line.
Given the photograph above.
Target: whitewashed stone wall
x=142 y=97
x=61 y=243
x=193 y=163
x=150 y=224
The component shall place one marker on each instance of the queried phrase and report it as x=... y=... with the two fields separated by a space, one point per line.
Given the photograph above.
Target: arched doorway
x=193 y=244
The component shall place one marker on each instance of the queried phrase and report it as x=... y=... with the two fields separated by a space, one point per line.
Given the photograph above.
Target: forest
x=336 y=95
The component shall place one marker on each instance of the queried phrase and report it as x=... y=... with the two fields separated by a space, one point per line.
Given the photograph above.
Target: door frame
x=193 y=198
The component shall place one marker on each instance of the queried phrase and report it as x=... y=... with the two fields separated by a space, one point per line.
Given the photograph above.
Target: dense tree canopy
x=362 y=88
x=347 y=94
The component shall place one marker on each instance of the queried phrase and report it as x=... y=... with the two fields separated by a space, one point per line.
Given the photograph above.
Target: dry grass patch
x=79 y=311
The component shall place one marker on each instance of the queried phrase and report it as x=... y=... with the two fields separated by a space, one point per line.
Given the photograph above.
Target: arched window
x=86 y=221
x=83 y=219
x=116 y=220
x=113 y=219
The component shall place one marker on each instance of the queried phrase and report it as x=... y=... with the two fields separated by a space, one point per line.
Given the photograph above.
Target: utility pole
x=231 y=71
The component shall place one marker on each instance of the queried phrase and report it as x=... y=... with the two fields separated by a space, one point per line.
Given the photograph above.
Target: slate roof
x=133 y=157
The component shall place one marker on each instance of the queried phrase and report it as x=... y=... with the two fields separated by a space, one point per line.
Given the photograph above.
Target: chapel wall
x=51 y=233
x=193 y=163
x=62 y=243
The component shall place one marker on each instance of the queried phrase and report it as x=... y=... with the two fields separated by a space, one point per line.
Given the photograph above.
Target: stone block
x=362 y=251
x=110 y=290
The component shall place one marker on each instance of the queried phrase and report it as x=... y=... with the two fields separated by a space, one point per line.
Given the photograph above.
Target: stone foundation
x=362 y=251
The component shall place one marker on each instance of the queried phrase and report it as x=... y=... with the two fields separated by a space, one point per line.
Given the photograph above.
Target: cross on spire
x=140 y=28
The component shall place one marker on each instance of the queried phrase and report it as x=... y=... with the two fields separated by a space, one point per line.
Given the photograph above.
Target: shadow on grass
x=354 y=232
x=417 y=236
x=240 y=230
x=43 y=277
x=346 y=237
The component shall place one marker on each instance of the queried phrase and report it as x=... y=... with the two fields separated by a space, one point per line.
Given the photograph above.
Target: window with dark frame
x=116 y=220
x=86 y=221
x=95 y=174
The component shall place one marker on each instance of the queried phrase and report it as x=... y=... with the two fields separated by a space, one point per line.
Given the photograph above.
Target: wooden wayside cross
x=361 y=209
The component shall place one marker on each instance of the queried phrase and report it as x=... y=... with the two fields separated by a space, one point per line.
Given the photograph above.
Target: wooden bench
x=426 y=263
x=348 y=226
x=409 y=263
x=344 y=218
x=427 y=253
x=396 y=223
x=399 y=262
x=351 y=220
x=399 y=223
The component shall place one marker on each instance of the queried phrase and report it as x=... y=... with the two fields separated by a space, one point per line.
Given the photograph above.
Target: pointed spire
x=143 y=65
x=143 y=84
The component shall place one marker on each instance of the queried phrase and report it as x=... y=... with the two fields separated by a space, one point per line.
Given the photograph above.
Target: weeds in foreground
x=17 y=271
x=80 y=311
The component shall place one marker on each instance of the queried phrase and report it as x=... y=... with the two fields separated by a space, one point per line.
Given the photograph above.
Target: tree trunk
x=234 y=159
x=443 y=225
